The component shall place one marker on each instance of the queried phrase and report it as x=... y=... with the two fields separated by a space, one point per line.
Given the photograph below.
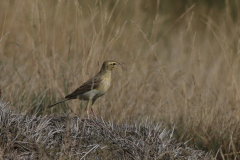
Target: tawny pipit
x=94 y=87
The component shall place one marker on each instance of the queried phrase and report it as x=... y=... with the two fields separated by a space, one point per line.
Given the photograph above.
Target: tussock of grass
x=63 y=137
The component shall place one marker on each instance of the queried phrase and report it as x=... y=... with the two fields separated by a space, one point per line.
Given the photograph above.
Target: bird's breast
x=95 y=93
x=105 y=84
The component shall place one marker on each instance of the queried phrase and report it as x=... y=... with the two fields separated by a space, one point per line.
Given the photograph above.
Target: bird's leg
x=93 y=113
x=88 y=105
x=93 y=101
x=87 y=114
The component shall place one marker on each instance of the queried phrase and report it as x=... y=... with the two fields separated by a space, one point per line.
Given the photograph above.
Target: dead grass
x=63 y=137
x=180 y=69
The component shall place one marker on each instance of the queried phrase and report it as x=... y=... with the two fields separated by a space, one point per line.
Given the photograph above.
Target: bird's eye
x=113 y=63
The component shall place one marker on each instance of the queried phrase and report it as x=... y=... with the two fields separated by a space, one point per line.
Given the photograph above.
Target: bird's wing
x=91 y=84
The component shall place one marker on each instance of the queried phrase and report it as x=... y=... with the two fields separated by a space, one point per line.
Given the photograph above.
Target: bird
x=95 y=87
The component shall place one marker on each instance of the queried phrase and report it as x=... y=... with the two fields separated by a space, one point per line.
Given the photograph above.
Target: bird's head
x=109 y=65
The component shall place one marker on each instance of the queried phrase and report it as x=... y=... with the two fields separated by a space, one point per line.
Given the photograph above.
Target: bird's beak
x=120 y=63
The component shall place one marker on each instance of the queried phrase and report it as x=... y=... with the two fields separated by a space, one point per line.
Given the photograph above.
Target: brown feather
x=91 y=84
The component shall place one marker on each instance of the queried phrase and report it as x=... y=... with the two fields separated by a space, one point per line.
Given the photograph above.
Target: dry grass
x=180 y=69
x=62 y=137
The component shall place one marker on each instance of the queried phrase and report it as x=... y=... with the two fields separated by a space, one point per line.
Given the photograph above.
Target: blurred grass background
x=181 y=62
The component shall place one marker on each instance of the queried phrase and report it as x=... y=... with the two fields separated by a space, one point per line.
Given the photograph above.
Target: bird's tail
x=57 y=103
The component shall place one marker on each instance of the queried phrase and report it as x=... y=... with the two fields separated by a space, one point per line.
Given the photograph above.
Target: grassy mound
x=64 y=137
